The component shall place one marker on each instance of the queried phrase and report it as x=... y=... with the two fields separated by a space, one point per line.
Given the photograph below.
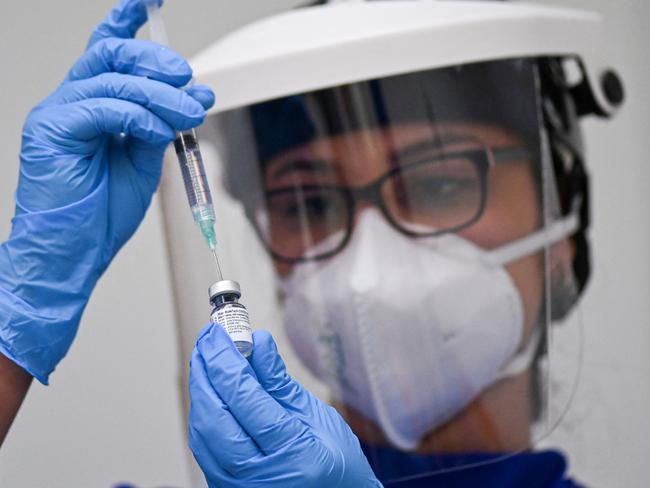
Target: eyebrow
x=319 y=165
x=509 y=154
x=505 y=154
x=437 y=141
x=302 y=164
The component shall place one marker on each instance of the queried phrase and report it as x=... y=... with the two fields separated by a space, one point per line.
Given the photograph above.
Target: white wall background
x=113 y=413
x=607 y=431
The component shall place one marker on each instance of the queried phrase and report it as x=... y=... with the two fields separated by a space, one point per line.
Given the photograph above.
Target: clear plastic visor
x=402 y=240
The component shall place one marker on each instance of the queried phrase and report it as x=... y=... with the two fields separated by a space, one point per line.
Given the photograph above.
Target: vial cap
x=225 y=287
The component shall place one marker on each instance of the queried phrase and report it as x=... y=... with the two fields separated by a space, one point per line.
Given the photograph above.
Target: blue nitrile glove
x=90 y=162
x=252 y=425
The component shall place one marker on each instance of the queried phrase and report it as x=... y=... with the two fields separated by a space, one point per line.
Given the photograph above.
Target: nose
x=359 y=210
x=365 y=198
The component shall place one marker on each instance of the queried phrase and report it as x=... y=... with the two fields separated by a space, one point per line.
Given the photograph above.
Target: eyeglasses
x=425 y=198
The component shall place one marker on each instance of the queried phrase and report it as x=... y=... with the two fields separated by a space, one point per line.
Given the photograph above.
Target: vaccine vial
x=232 y=315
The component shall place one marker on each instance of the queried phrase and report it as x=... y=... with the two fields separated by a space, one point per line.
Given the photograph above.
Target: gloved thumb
x=272 y=375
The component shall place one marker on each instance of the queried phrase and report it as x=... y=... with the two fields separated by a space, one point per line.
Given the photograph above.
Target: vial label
x=235 y=321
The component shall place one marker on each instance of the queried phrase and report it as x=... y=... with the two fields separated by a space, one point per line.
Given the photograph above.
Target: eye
x=437 y=181
x=318 y=206
x=311 y=205
x=440 y=189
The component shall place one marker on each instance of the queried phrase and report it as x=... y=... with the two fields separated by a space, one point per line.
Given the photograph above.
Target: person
x=90 y=162
x=425 y=223
x=407 y=231
x=426 y=229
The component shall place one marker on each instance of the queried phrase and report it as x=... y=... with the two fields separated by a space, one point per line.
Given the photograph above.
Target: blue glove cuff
x=50 y=265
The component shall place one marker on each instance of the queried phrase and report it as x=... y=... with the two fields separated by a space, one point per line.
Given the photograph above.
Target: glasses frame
x=483 y=158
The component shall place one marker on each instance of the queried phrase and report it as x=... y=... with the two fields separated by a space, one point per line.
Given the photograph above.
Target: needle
x=216 y=260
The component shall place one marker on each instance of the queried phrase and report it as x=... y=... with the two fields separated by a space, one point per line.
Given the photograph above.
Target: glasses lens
x=437 y=194
x=304 y=222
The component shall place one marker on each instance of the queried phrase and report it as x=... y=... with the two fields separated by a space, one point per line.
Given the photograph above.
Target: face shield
x=409 y=223
x=402 y=239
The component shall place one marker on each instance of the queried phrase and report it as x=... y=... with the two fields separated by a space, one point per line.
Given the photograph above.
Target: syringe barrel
x=192 y=169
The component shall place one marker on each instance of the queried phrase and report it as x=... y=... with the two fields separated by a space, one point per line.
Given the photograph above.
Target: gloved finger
x=216 y=438
x=132 y=57
x=272 y=375
x=268 y=423
x=172 y=105
x=123 y=20
x=88 y=119
x=202 y=94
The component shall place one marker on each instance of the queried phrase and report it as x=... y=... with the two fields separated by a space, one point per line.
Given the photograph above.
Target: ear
x=572 y=249
x=564 y=288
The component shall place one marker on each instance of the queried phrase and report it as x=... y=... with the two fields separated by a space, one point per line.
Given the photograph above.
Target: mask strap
x=551 y=234
x=522 y=361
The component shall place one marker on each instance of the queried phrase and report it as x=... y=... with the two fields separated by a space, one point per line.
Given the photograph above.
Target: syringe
x=189 y=155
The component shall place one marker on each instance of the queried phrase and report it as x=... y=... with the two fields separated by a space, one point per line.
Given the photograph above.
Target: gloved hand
x=90 y=162
x=253 y=425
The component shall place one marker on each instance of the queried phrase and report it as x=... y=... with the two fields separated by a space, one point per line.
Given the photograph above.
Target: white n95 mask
x=409 y=331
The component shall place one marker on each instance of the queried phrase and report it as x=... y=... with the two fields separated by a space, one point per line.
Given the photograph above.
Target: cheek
x=511 y=208
x=512 y=212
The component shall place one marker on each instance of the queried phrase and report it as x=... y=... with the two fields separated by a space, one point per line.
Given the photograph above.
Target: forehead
x=358 y=155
